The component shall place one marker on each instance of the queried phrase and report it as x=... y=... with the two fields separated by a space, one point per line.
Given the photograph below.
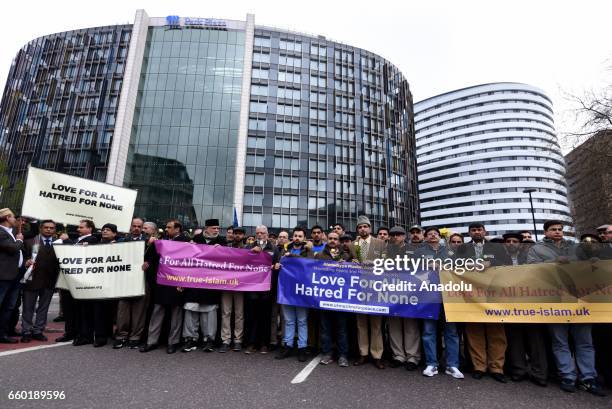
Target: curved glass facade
x=479 y=148
x=218 y=118
x=182 y=151
x=59 y=106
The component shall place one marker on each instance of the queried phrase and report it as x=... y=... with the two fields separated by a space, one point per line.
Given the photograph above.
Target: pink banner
x=218 y=268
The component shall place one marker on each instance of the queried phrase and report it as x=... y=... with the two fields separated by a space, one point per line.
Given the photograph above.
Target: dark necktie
x=48 y=242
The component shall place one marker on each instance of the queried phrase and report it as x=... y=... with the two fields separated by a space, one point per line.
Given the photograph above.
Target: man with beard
x=524 y=339
x=259 y=303
x=201 y=304
x=487 y=341
x=132 y=312
x=233 y=300
x=334 y=319
x=166 y=297
x=370 y=342
x=404 y=334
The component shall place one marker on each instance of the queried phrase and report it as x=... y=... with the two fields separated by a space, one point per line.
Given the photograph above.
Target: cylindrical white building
x=479 y=149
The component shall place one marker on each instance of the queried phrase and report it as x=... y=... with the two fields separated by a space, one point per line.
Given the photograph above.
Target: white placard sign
x=69 y=199
x=101 y=270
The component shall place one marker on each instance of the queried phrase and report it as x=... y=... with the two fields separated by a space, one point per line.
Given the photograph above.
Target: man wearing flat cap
x=11 y=259
x=404 y=333
x=369 y=248
x=201 y=304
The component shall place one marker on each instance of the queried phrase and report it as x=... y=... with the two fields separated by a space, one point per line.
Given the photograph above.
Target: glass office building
x=218 y=118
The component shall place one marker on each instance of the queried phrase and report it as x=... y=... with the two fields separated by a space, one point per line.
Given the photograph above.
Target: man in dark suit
x=487 y=342
x=39 y=282
x=11 y=259
x=166 y=297
x=132 y=312
x=73 y=309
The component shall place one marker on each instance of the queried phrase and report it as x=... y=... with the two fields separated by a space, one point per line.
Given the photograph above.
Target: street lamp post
x=530 y=191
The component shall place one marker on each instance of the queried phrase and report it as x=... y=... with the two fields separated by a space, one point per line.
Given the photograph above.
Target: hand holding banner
x=212 y=267
x=344 y=286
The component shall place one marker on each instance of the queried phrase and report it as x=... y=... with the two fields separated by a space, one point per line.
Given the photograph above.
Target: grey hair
x=153 y=225
x=261 y=226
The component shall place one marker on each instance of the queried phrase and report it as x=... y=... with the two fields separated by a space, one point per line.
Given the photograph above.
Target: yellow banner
x=578 y=292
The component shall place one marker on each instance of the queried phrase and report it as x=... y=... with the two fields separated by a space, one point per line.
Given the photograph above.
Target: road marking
x=301 y=377
x=17 y=351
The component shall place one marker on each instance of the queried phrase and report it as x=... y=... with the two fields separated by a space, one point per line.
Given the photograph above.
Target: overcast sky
x=561 y=46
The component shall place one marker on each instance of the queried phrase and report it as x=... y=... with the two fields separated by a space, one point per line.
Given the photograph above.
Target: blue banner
x=344 y=286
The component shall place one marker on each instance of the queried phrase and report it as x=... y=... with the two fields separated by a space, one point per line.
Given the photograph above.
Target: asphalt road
x=106 y=378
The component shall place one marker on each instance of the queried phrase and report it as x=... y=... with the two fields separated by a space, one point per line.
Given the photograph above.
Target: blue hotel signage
x=192 y=22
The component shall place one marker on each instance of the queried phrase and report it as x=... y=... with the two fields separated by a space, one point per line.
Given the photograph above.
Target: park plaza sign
x=194 y=22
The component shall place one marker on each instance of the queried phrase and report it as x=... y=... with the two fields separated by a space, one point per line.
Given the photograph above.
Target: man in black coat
x=524 y=339
x=201 y=304
x=258 y=304
x=165 y=297
x=11 y=259
x=40 y=283
x=132 y=312
x=71 y=307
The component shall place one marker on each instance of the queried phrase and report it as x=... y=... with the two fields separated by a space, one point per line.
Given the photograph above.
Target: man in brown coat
x=370 y=248
x=40 y=282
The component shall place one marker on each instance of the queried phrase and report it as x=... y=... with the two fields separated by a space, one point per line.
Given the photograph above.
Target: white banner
x=101 y=270
x=69 y=199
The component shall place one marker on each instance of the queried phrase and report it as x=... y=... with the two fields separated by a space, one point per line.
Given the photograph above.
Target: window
x=317 y=184
x=319 y=131
x=285 y=201
x=261 y=57
x=287 y=76
x=257 y=124
x=251 y=219
x=289 y=110
x=255 y=142
x=318 y=114
x=259 y=107
x=319 y=50
x=288 y=93
x=290 y=45
x=253 y=199
x=289 y=61
x=317 y=166
x=316 y=148
x=262 y=42
x=317 y=65
x=286 y=182
x=259 y=90
x=316 y=81
x=255 y=161
x=288 y=127
x=260 y=73
x=253 y=179
x=290 y=145
x=318 y=97
x=286 y=163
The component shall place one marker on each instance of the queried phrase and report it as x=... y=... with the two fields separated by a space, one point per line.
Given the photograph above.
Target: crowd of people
x=190 y=319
